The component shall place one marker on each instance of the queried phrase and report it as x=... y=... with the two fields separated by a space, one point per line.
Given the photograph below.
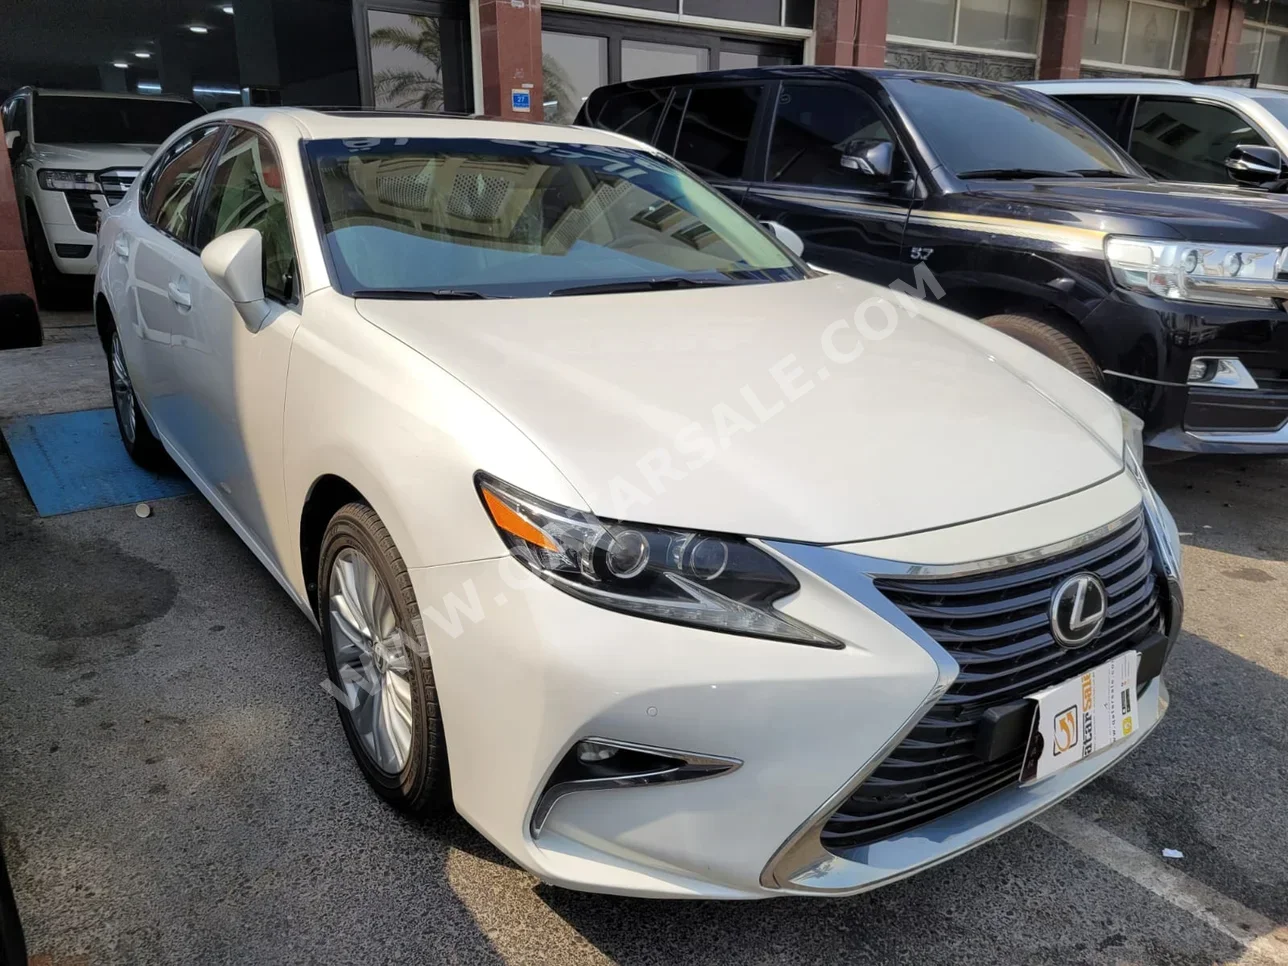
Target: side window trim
x=881 y=113
x=202 y=192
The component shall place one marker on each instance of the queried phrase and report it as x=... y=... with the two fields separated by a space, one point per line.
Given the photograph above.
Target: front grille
x=116 y=183
x=995 y=626
x=84 y=211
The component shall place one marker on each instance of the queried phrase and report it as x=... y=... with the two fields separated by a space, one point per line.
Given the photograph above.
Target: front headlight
x=53 y=179
x=713 y=581
x=1194 y=272
x=1161 y=522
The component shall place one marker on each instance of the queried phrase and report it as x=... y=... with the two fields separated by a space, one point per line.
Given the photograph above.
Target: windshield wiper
x=1017 y=174
x=1102 y=173
x=663 y=284
x=421 y=293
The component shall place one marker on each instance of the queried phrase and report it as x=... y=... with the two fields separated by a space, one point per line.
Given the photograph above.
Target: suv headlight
x=712 y=581
x=1192 y=272
x=1164 y=528
x=54 y=179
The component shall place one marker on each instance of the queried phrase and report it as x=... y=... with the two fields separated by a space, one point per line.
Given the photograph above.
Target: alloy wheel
x=122 y=390
x=371 y=660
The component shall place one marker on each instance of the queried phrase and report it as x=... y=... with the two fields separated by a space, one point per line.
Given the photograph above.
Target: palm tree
x=407 y=88
x=561 y=100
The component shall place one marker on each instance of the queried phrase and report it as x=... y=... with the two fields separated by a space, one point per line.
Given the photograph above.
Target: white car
x=891 y=582
x=74 y=154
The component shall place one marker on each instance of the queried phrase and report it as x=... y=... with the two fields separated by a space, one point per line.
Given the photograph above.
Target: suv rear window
x=632 y=113
x=715 y=135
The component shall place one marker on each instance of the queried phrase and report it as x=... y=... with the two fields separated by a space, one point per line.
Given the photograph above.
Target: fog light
x=589 y=751
x=1200 y=370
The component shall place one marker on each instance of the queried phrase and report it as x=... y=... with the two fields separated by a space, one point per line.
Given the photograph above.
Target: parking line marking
x=1259 y=935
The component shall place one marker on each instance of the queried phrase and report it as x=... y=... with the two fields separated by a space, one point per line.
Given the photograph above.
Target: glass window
x=572 y=65
x=755 y=11
x=1249 y=50
x=1136 y=33
x=418 y=62
x=988 y=24
x=999 y=128
x=643 y=58
x=1177 y=140
x=1104 y=111
x=999 y=24
x=799 y=13
x=633 y=113
x=246 y=192
x=1150 y=32
x=816 y=126
x=59 y=119
x=715 y=134
x=173 y=182
x=508 y=218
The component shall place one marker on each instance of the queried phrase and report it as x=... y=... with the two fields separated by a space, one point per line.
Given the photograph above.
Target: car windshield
x=63 y=119
x=978 y=129
x=493 y=218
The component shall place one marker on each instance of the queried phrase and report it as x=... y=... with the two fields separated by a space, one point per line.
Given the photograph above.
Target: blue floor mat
x=75 y=461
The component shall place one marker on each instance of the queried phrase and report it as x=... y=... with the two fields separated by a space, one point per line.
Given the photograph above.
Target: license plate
x=1081 y=716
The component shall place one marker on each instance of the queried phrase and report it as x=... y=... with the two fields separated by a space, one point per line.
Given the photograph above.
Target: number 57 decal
x=920 y=254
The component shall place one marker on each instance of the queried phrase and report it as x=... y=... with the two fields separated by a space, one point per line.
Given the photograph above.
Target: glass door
x=414 y=55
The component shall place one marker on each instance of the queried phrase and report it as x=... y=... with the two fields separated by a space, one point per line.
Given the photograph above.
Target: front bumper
x=69 y=220
x=524 y=672
x=1146 y=345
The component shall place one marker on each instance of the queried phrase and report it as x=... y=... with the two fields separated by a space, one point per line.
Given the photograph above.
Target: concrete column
x=851 y=33
x=1062 y=27
x=256 y=36
x=15 y=273
x=174 y=68
x=510 y=53
x=112 y=79
x=1214 y=39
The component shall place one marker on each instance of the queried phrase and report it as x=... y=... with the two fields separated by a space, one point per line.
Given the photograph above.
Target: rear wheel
x=379 y=663
x=1052 y=340
x=144 y=448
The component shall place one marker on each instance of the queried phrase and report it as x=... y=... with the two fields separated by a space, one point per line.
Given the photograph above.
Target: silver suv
x=1181 y=131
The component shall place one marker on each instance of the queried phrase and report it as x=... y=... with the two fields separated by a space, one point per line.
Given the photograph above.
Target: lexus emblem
x=1078 y=609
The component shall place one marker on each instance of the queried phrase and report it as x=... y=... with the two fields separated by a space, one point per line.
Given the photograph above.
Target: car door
x=232 y=380
x=1181 y=139
x=156 y=246
x=851 y=219
x=711 y=129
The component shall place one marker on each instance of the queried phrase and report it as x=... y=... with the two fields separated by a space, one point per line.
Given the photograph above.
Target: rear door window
x=1105 y=111
x=1181 y=140
x=715 y=132
x=817 y=125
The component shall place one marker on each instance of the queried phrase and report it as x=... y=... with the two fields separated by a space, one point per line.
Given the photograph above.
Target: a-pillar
x=851 y=33
x=1062 y=28
x=1214 y=40
x=509 y=35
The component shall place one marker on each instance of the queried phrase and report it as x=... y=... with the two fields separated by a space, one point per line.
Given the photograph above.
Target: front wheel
x=379 y=664
x=1052 y=341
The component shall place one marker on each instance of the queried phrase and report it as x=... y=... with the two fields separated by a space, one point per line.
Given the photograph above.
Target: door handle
x=121 y=246
x=178 y=296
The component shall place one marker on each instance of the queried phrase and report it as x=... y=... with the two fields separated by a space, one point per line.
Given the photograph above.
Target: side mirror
x=11 y=139
x=235 y=263
x=872 y=158
x=788 y=238
x=1254 y=164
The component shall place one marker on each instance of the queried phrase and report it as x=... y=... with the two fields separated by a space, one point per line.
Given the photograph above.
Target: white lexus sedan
x=678 y=568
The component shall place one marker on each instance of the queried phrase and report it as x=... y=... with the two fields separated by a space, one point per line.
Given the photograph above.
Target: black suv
x=1026 y=216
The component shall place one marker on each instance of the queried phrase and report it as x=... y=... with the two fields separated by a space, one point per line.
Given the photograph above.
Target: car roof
x=796 y=72
x=1134 y=85
x=319 y=124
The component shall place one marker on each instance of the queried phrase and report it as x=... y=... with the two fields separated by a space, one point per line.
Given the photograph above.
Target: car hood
x=92 y=157
x=721 y=409
x=1209 y=213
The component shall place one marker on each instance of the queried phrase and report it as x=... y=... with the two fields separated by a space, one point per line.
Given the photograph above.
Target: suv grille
x=84 y=211
x=995 y=626
x=116 y=183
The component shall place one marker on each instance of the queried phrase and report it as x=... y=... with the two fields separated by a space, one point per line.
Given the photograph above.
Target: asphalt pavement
x=175 y=787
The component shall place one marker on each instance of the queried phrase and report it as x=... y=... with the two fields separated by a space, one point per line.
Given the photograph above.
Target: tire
x=1050 y=340
x=408 y=767
x=50 y=282
x=19 y=323
x=144 y=448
